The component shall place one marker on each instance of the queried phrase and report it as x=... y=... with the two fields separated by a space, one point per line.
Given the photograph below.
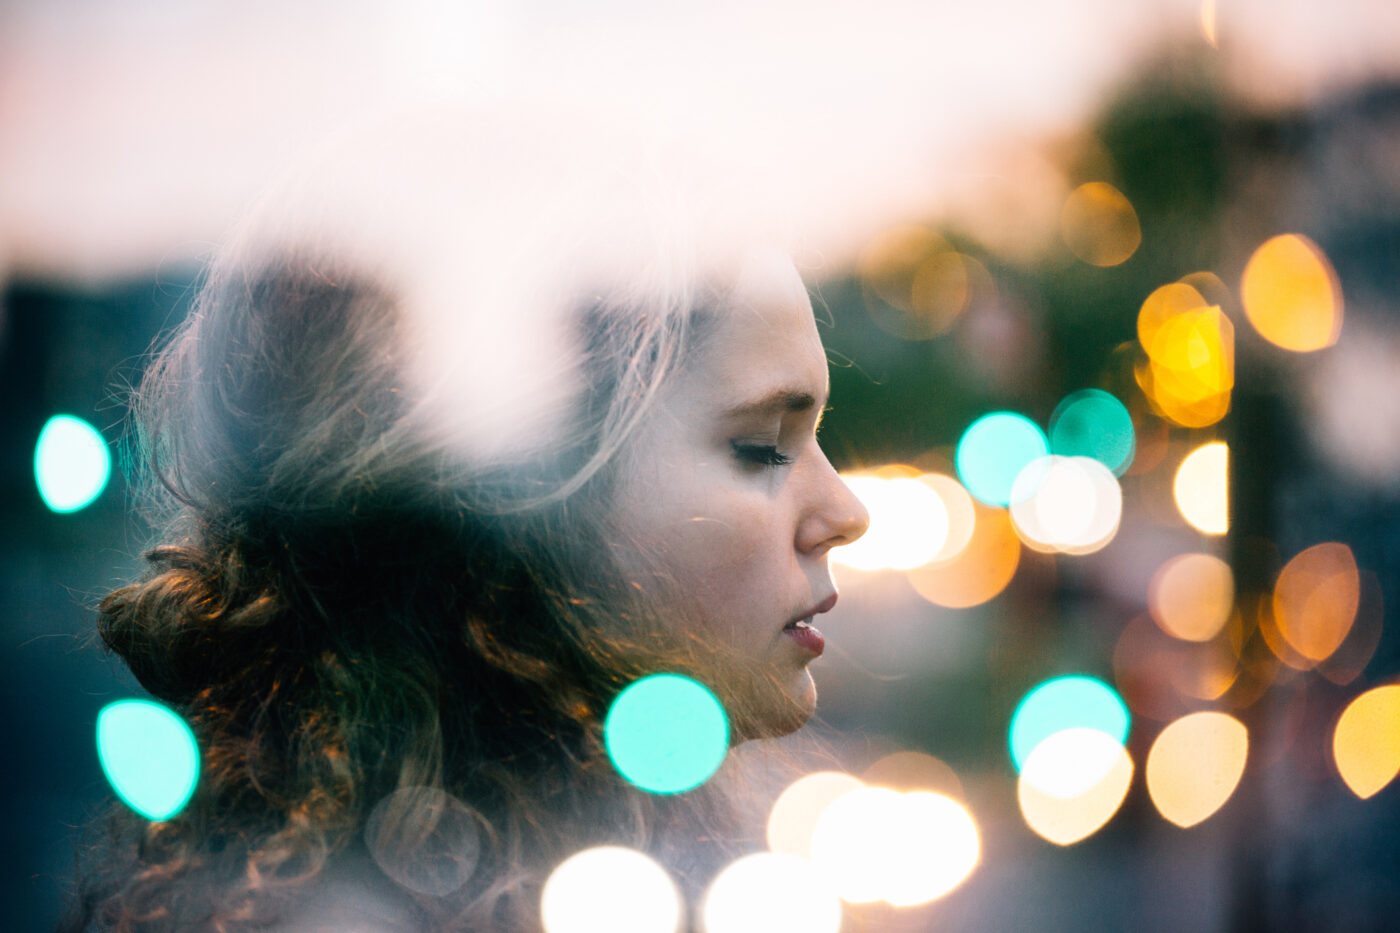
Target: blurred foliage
x=1162 y=142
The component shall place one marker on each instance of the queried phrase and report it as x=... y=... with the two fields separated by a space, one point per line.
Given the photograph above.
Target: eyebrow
x=779 y=400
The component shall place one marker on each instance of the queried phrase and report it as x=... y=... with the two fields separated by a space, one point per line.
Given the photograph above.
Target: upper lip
x=823 y=606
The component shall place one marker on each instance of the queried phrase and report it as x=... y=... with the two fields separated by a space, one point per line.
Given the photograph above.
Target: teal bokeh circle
x=1093 y=423
x=1074 y=701
x=666 y=733
x=994 y=450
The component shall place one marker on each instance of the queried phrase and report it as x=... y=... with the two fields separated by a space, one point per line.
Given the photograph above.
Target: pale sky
x=132 y=134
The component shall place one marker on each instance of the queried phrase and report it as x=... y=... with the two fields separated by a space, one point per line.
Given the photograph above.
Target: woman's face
x=736 y=505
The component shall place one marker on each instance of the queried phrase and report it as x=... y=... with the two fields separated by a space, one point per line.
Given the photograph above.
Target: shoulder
x=351 y=899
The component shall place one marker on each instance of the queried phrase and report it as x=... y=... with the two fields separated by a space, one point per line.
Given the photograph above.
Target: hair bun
x=179 y=629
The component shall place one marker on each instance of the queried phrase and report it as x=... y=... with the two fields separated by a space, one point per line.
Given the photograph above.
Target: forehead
x=764 y=338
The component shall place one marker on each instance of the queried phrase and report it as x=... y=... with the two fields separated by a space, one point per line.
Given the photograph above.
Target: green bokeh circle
x=1093 y=423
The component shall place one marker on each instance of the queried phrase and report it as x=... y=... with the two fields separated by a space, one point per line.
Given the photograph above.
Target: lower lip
x=808 y=637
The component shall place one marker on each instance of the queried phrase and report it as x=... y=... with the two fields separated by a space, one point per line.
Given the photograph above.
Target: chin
x=780 y=709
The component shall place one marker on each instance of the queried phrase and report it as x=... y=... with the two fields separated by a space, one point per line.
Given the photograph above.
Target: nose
x=831 y=514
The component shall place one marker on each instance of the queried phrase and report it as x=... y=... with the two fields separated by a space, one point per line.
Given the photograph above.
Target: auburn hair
x=347 y=613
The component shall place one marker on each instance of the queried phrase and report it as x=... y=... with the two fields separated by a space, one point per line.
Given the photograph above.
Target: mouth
x=804 y=633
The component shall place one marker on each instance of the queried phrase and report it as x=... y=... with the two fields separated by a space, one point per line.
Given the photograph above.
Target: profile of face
x=729 y=494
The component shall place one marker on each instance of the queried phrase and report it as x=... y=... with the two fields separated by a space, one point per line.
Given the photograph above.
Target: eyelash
x=760 y=454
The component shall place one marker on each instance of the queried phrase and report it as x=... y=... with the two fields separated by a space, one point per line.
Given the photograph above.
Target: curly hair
x=346 y=613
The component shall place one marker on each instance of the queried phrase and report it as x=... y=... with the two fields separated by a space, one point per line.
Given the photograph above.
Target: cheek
x=727 y=556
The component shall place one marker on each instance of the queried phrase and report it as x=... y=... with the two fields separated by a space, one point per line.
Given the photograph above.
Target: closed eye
x=765 y=455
